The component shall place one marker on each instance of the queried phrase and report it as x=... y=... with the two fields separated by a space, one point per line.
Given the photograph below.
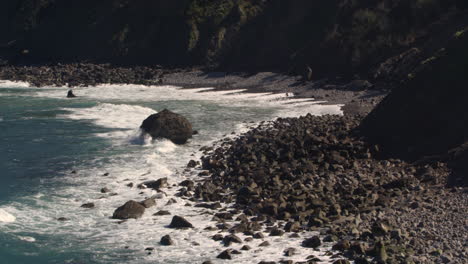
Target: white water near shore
x=133 y=160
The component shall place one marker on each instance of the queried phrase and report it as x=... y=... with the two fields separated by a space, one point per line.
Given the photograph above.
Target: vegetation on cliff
x=332 y=37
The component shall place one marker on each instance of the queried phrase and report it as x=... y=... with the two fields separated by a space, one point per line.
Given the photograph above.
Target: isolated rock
x=130 y=209
x=166 y=241
x=180 y=222
x=88 y=205
x=167 y=124
x=70 y=94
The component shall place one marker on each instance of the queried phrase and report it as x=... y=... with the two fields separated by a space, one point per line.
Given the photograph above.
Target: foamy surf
x=6 y=217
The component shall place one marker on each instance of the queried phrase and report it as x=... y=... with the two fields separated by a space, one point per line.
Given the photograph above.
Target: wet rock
x=105 y=190
x=191 y=164
x=289 y=252
x=180 y=222
x=342 y=245
x=70 y=94
x=246 y=248
x=312 y=242
x=62 y=219
x=156 y=185
x=167 y=124
x=162 y=212
x=166 y=241
x=226 y=254
x=147 y=203
x=88 y=205
x=130 y=209
x=264 y=244
x=229 y=239
x=217 y=237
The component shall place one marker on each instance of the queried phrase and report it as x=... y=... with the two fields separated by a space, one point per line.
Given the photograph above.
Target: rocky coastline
x=303 y=174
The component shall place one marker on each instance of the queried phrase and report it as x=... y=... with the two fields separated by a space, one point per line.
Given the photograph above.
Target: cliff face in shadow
x=426 y=118
x=334 y=37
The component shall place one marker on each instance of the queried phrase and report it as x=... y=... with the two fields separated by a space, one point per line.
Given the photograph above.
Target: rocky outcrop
x=167 y=124
x=130 y=209
x=426 y=119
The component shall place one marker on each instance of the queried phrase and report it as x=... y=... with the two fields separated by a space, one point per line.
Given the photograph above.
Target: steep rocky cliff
x=333 y=37
x=426 y=118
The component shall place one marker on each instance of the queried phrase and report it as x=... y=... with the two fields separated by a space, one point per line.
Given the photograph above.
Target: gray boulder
x=130 y=209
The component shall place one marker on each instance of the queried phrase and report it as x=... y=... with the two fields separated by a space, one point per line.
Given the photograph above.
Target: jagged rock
x=180 y=222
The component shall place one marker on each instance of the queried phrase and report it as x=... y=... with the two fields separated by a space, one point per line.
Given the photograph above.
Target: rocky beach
x=341 y=143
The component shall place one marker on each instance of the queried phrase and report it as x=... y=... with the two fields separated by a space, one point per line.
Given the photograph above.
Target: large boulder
x=167 y=124
x=130 y=209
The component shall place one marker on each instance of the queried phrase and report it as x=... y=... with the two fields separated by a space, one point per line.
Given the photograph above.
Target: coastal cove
x=59 y=153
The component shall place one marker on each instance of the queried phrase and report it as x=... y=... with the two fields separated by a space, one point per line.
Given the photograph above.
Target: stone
x=180 y=222
x=105 y=190
x=156 y=185
x=229 y=239
x=88 y=205
x=70 y=94
x=264 y=244
x=166 y=241
x=162 y=212
x=167 y=124
x=226 y=254
x=147 y=203
x=289 y=252
x=130 y=209
x=313 y=242
x=246 y=248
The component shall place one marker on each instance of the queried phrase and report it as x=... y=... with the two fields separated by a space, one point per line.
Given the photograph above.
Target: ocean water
x=57 y=153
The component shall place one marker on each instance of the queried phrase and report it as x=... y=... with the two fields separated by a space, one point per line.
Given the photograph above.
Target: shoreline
x=424 y=200
x=357 y=96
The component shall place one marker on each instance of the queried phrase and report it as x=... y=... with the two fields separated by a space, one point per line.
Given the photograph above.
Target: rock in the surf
x=180 y=222
x=130 y=209
x=167 y=124
x=70 y=94
x=166 y=241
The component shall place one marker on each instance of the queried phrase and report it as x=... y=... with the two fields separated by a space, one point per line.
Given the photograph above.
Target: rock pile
x=315 y=173
x=81 y=74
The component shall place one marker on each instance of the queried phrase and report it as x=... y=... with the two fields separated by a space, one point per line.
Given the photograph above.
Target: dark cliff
x=333 y=37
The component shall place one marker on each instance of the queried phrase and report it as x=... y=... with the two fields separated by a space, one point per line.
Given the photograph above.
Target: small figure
x=70 y=94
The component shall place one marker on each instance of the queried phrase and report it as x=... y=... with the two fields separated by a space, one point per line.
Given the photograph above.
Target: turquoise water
x=55 y=151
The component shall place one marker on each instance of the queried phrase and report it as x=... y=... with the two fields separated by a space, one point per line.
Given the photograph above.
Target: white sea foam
x=27 y=239
x=6 y=217
x=111 y=115
x=13 y=84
